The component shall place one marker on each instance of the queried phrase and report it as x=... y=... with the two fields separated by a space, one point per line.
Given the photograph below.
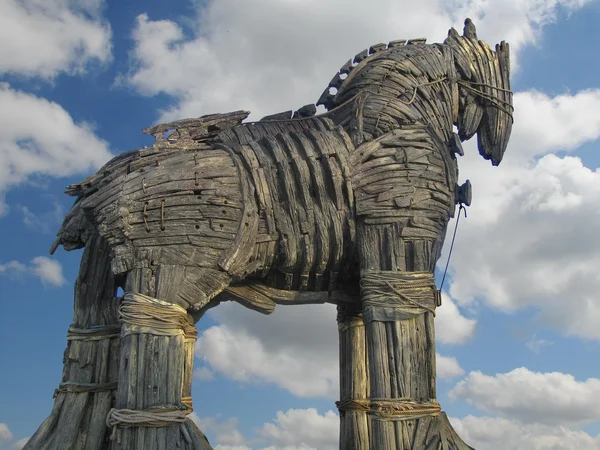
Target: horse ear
x=469 y=30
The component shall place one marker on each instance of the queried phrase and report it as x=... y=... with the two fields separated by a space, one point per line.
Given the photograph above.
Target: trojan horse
x=348 y=207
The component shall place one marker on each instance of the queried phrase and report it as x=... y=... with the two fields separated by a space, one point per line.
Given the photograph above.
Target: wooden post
x=88 y=384
x=401 y=353
x=155 y=372
x=354 y=384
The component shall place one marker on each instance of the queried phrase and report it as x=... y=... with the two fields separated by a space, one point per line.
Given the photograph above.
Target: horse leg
x=354 y=381
x=156 y=361
x=400 y=337
x=88 y=385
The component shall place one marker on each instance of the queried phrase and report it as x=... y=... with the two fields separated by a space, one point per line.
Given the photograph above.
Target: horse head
x=484 y=95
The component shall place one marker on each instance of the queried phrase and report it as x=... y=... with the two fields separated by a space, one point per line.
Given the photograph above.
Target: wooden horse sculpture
x=348 y=207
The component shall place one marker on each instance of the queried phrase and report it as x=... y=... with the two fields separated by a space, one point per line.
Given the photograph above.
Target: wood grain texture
x=155 y=371
x=77 y=420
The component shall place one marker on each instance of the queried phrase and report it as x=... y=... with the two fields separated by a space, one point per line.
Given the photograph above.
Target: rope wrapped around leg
x=141 y=314
x=151 y=418
x=389 y=296
x=145 y=314
x=391 y=409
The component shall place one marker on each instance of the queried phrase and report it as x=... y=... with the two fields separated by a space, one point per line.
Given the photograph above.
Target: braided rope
x=151 y=418
x=146 y=314
x=391 y=409
x=391 y=295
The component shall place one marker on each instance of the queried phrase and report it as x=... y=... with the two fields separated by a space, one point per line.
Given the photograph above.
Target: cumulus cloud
x=302 y=429
x=492 y=433
x=40 y=138
x=271 y=56
x=532 y=397
x=225 y=432
x=53 y=36
x=546 y=124
x=246 y=358
x=294 y=429
x=13 y=269
x=48 y=270
x=5 y=433
x=203 y=374
x=232 y=447
x=451 y=327
x=447 y=367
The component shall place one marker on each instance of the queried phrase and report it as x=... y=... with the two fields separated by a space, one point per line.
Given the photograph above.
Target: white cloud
x=535 y=345
x=546 y=124
x=45 y=37
x=5 y=433
x=451 y=327
x=40 y=138
x=45 y=222
x=13 y=269
x=247 y=358
x=271 y=56
x=18 y=445
x=302 y=429
x=225 y=432
x=492 y=433
x=515 y=21
x=49 y=271
x=547 y=398
x=295 y=429
x=447 y=367
x=203 y=374
x=232 y=447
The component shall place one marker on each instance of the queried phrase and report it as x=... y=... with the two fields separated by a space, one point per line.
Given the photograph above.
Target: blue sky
x=517 y=334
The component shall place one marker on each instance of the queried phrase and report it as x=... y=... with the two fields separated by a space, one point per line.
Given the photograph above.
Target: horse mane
x=366 y=55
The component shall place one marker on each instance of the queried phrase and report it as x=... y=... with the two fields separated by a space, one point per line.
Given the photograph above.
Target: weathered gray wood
x=155 y=372
x=78 y=419
x=354 y=424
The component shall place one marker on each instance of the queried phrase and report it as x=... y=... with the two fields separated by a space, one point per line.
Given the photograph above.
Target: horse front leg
x=404 y=183
x=399 y=335
x=157 y=355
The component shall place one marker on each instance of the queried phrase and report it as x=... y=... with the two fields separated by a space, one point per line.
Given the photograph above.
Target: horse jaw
x=493 y=134
x=496 y=125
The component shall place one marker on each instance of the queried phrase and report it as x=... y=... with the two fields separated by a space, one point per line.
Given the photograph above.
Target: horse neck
x=380 y=98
